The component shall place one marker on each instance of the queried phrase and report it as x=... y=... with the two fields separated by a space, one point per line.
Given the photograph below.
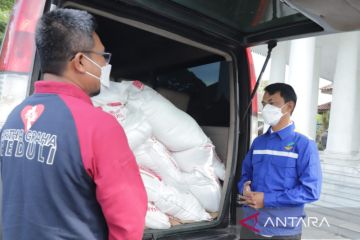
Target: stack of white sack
x=174 y=128
x=201 y=182
x=187 y=167
x=169 y=200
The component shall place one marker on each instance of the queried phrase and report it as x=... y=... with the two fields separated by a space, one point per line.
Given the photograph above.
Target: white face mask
x=105 y=73
x=272 y=114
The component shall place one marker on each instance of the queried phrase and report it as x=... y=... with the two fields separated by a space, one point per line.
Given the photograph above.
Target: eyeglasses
x=106 y=55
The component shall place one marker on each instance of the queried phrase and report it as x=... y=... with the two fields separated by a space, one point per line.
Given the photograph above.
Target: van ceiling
x=136 y=52
x=333 y=15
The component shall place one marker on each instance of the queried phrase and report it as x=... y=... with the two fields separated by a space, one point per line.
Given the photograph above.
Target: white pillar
x=304 y=77
x=279 y=58
x=342 y=137
x=356 y=127
x=356 y=131
x=314 y=94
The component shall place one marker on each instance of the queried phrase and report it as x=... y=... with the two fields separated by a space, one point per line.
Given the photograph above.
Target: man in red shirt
x=67 y=169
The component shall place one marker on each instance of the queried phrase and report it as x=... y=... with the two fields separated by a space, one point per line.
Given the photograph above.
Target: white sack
x=171 y=126
x=113 y=100
x=219 y=167
x=154 y=156
x=137 y=129
x=115 y=93
x=171 y=201
x=200 y=157
x=205 y=187
x=196 y=157
x=155 y=219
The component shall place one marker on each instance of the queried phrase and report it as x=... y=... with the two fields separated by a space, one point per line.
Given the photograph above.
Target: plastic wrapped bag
x=154 y=156
x=171 y=126
x=171 y=201
x=155 y=219
x=205 y=187
x=200 y=157
x=114 y=101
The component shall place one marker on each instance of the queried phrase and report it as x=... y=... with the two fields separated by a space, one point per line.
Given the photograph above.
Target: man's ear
x=291 y=105
x=77 y=63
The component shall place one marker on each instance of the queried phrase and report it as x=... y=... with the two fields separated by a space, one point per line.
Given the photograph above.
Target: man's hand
x=252 y=199
x=247 y=188
x=246 y=193
x=256 y=200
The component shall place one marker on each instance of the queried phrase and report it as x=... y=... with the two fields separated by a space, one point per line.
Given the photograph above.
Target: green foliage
x=5 y=10
x=322 y=126
x=6 y=4
x=319 y=119
x=260 y=92
x=325 y=119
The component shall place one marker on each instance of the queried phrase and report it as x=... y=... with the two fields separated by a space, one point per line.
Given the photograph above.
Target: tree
x=5 y=10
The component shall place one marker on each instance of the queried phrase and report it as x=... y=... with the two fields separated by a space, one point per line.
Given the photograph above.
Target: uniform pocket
x=286 y=167
x=257 y=159
x=284 y=162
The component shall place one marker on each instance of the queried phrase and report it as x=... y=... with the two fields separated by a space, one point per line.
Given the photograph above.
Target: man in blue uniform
x=280 y=173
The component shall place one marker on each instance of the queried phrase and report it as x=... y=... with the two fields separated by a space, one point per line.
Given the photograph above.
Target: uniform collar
x=55 y=87
x=283 y=133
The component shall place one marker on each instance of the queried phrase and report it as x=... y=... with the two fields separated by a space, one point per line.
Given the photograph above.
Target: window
x=245 y=15
x=205 y=88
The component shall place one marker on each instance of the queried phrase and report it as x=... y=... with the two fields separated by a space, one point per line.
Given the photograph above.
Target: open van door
x=171 y=45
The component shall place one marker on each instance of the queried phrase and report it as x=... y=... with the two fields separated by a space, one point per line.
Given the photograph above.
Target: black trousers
x=248 y=234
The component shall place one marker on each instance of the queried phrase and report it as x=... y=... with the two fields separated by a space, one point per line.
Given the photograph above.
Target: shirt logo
x=30 y=114
x=289 y=146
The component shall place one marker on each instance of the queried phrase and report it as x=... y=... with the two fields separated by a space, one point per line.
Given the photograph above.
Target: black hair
x=286 y=91
x=60 y=34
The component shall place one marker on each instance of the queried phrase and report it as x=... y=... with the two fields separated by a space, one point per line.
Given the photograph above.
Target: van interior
x=194 y=80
